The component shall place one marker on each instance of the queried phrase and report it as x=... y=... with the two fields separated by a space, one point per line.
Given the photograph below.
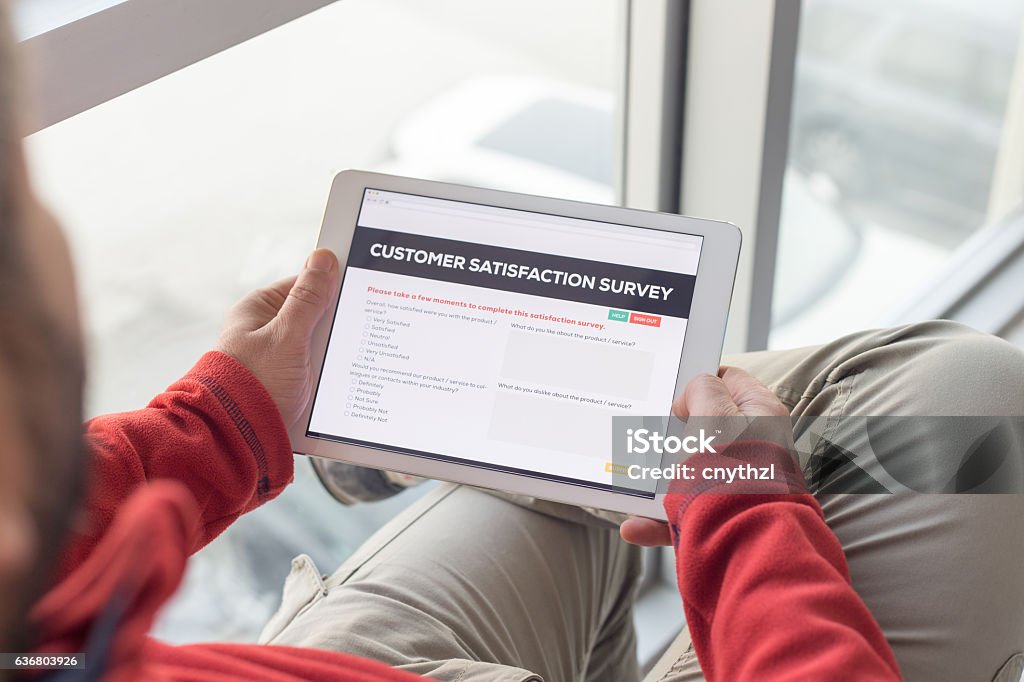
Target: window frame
x=736 y=140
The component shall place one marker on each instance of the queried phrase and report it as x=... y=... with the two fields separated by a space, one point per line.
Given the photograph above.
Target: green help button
x=618 y=315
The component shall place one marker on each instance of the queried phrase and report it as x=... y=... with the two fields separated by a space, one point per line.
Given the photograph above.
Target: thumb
x=310 y=295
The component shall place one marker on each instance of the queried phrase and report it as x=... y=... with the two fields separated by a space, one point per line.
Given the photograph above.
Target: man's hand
x=269 y=331
x=733 y=393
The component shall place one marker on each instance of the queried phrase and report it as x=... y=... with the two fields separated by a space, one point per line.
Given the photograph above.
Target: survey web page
x=501 y=338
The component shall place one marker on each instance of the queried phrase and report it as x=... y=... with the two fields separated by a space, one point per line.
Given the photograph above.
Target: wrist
x=745 y=468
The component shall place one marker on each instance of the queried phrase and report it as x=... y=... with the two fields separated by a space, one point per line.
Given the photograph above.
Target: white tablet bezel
x=701 y=351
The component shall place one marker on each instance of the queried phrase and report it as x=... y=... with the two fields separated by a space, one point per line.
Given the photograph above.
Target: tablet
x=489 y=338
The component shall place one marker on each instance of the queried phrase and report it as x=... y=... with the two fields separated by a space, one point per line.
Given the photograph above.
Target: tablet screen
x=502 y=338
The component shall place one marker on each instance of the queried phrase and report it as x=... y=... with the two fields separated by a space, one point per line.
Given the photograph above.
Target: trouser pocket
x=303 y=588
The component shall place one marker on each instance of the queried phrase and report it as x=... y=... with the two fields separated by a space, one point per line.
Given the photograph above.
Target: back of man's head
x=41 y=378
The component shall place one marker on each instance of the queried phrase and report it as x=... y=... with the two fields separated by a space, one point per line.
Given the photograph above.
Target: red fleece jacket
x=764 y=581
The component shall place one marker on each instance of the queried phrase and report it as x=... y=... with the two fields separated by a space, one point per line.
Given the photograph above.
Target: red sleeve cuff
x=255 y=416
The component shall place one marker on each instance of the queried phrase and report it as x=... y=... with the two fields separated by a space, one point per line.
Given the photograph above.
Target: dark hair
x=41 y=365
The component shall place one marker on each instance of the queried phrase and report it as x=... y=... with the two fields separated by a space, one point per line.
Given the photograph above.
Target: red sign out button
x=648 y=320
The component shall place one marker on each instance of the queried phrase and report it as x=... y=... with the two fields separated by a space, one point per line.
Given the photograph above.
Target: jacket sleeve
x=216 y=430
x=764 y=581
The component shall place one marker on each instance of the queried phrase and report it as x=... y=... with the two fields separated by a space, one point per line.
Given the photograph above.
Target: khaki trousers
x=469 y=586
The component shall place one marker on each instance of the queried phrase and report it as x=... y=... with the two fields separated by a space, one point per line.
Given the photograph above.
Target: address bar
x=533 y=224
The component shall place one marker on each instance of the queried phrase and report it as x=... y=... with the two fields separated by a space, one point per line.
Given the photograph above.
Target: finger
x=705 y=396
x=309 y=296
x=753 y=398
x=260 y=306
x=645 y=532
x=739 y=380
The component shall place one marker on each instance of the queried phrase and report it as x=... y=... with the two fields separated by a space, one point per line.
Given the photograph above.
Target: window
x=576 y=137
x=936 y=62
x=834 y=29
x=993 y=69
x=226 y=164
x=892 y=157
x=182 y=195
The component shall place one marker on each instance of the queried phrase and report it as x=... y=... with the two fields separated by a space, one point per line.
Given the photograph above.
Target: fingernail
x=321 y=260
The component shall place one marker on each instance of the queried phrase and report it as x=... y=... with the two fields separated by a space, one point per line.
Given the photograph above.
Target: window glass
x=185 y=194
x=834 y=29
x=993 y=69
x=575 y=137
x=935 y=62
x=892 y=155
